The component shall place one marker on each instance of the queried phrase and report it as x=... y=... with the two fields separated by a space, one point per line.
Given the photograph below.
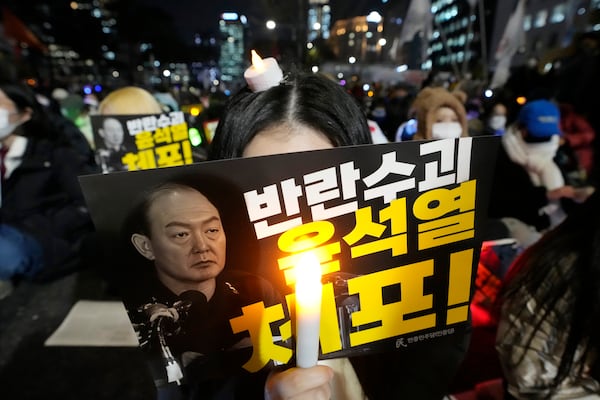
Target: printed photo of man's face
x=112 y=133
x=186 y=241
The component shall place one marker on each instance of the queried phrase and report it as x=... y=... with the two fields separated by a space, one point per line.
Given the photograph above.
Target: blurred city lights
x=195 y=136
x=230 y=16
x=374 y=17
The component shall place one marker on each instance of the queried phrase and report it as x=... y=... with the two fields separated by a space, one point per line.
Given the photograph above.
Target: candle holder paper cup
x=263 y=73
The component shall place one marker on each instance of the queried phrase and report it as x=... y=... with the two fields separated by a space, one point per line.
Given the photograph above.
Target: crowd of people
x=543 y=196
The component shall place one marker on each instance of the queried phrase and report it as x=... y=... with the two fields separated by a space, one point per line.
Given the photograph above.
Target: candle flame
x=308 y=270
x=257 y=62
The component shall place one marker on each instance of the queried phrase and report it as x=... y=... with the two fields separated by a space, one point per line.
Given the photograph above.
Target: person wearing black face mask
x=397 y=108
x=43 y=218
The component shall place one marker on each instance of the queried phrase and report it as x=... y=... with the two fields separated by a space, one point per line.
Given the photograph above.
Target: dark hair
x=38 y=125
x=306 y=99
x=138 y=220
x=564 y=260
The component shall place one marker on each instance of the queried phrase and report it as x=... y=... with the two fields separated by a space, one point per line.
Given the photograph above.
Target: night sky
x=202 y=16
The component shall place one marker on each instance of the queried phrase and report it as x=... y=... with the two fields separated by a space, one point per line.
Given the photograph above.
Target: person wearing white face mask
x=528 y=185
x=43 y=217
x=446 y=125
x=6 y=126
x=440 y=115
x=496 y=122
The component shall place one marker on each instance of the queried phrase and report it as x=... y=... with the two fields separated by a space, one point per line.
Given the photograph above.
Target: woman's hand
x=579 y=194
x=566 y=191
x=299 y=383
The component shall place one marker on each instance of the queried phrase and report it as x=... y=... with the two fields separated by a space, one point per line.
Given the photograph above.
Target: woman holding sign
x=311 y=112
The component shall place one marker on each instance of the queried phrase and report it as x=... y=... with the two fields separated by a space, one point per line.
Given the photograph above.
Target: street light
x=293 y=29
x=374 y=17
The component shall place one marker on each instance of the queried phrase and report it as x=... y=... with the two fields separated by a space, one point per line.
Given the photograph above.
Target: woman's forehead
x=285 y=138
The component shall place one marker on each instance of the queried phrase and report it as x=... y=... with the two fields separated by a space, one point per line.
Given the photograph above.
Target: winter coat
x=42 y=196
x=515 y=195
x=579 y=136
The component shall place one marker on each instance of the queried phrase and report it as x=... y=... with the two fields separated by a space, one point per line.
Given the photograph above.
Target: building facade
x=319 y=20
x=231 y=60
x=358 y=39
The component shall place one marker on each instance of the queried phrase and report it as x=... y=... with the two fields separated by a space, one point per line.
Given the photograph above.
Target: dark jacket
x=514 y=195
x=42 y=196
x=201 y=339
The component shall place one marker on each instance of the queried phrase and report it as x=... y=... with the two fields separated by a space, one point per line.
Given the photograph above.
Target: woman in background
x=43 y=217
x=549 y=336
x=440 y=115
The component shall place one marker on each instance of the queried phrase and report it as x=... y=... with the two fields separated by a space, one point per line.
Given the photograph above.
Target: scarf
x=536 y=158
x=538 y=161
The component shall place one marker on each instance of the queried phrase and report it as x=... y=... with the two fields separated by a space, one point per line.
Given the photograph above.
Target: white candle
x=308 y=310
x=263 y=73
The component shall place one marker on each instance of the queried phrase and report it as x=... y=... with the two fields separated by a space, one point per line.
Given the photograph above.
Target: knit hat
x=428 y=101
x=541 y=118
